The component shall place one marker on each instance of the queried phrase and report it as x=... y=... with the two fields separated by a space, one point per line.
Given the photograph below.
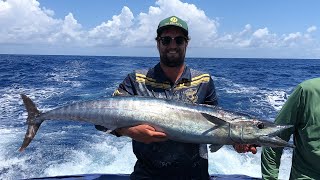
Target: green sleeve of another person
x=290 y=113
x=302 y=110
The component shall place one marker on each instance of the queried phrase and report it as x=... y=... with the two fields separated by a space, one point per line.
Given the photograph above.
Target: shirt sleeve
x=290 y=113
x=211 y=97
x=126 y=88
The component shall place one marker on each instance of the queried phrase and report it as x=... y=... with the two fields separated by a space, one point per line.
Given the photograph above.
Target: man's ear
x=187 y=42
x=158 y=44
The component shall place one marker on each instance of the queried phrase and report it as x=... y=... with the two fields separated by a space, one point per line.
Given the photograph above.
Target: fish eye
x=260 y=125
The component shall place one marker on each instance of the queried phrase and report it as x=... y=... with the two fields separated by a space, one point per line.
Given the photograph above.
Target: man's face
x=172 y=54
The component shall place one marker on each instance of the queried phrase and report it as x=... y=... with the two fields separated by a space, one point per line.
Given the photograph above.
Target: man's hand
x=143 y=133
x=243 y=148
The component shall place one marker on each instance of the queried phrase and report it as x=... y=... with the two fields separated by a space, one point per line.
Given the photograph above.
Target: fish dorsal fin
x=214 y=119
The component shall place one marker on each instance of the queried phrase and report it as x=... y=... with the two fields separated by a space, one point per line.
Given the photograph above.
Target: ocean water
x=255 y=86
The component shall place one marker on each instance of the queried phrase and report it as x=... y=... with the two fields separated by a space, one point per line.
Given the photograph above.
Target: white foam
x=10 y=96
x=227 y=161
x=13 y=164
x=78 y=162
x=9 y=145
x=123 y=163
x=102 y=157
x=285 y=165
x=6 y=136
x=66 y=74
x=274 y=98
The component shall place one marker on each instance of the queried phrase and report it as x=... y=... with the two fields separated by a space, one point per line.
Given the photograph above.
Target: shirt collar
x=161 y=77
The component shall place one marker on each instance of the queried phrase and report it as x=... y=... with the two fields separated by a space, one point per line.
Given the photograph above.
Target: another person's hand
x=243 y=148
x=143 y=133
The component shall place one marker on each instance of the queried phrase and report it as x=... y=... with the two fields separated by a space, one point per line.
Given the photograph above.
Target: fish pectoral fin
x=214 y=119
x=104 y=129
x=109 y=131
x=215 y=147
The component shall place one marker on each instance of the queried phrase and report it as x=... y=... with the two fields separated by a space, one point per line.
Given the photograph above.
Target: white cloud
x=293 y=36
x=249 y=38
x=261 y=33
x=26 y=22
x=49 y=12
x=311 y=29
x=201 y=28
x=113 y=31
x=247 y=29
x=23 y=21
x=4 y=6
x=35 y=24
x=69 y=31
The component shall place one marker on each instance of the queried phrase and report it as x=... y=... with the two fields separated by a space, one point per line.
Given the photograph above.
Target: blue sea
x=255 y=86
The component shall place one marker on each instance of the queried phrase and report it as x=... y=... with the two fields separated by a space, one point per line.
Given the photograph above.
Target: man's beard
x=172 y=61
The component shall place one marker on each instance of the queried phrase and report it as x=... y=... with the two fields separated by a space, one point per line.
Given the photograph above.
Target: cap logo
x=173 y=19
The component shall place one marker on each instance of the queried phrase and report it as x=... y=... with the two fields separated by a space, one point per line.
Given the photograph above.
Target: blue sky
x=218 y=28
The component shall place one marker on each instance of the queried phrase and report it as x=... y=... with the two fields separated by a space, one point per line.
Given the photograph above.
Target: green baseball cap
x=173 y=21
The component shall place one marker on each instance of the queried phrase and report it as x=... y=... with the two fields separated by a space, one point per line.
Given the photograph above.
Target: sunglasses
x=166 y=40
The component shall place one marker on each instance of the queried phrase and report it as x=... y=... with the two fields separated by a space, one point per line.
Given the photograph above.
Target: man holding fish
x=167 y=111
x=171 y=78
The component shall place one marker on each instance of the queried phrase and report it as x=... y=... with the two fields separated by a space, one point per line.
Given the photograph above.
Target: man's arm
x=290 y=113
x=142 y=133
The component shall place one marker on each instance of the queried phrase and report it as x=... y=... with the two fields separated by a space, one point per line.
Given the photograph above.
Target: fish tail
x=33 y=126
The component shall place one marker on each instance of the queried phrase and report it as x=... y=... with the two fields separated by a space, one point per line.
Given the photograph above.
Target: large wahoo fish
x=184 y=122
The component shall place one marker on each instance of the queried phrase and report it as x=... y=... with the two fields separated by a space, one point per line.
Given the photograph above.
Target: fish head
x=262 y=133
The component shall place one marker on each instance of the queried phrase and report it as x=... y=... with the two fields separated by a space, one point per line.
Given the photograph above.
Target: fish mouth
x=279 y=129
x=272 y=140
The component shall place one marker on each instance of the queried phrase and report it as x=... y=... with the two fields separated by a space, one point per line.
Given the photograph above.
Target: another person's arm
x=289 y=115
